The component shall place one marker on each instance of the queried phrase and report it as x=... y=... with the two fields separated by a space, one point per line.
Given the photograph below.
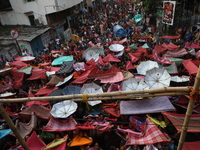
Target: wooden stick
x=189 y=112
x=108 y=94
x=13 y=128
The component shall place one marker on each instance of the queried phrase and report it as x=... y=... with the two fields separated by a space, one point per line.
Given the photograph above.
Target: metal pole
x=189 y=112
x=13 y=128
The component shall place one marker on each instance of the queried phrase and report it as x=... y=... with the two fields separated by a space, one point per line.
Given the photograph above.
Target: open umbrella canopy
x=134 y=84
x=5 y=71
x=91 y=88
x=145 y=66
x=157 y=78
x=63 y=109
x=145 y=46
x=133 y=46
x=180 y=79
x=91 y=54
x=65 y=80
x=71 y=89
x=27 y=58
x=116 y=47
x=60 y=60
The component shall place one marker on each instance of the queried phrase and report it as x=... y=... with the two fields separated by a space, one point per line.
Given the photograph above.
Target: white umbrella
x=157 y=77
x=116 y=47
x=91 y=88
x=63 y=109
x=27 y=58
x=80 y=66
x=144 y=66
x=180 y=79
x=134 y=84
x=65 y=80
x=89 y=54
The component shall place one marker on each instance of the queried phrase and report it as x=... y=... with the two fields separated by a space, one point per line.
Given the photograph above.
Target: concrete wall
x=39 y=7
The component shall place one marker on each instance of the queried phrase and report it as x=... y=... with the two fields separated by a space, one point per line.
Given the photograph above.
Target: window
x=28 y=1
x=31 y=19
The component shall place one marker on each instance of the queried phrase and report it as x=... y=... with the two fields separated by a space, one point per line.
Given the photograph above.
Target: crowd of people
x=95 y=30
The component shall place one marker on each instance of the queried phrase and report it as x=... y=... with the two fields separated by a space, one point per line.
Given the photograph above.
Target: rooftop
x=26 y=33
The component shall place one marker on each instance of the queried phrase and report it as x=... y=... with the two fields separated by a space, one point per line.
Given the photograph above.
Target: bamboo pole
x=140 y=93
x=189 y=112
x=13 y=128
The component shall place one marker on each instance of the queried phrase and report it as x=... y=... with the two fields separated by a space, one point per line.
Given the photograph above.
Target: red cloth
x=86 y=126
x=37 y=74
x=29 y=103
x=33 y=142
x=162 y=60
x=55 y=124
x=151 y=135
x=97 y=72
x=172 y=46
x=158 y=49
x=45 y=91
x=57 y=51
x=170 y=37
x=190 y=66
x=114 y=111
x=129 y=65
x=18 y=78
x=191 y=145
x=110 y=58
x=141 y=50
x=54 y=69
x=134 y=56
x=19 y=64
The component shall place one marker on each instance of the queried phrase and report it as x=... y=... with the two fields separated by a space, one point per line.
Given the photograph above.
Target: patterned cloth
x=162 y=60
x=39 y=110
x=151 y=135
x=177 y=120
x=55 y=124
x=67 y=67
x=176 y=53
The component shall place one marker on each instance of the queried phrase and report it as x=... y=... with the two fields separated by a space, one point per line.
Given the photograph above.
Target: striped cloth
x=39 y=110
x=151 y=135
x=176 y=53
x=177 y=120
x=162 y=60
x=55 y=124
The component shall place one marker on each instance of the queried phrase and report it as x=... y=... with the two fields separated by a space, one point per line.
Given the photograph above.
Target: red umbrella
x=158 y=49
x=37 y=74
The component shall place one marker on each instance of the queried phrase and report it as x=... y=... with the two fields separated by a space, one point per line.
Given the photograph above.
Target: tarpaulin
x=191 y=145
x=176 y=53
x=55 y=124
x=154 y=105
x=33 y=142
x=177 y=120
x=151 y=135
x=39 y=110
x=26 y=128
x=37 y=74
x=18 y=78
x=190 y=66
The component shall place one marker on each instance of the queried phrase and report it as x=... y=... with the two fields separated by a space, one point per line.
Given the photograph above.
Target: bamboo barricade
x=13 y=128
x=193 y=97
x=165 y=91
